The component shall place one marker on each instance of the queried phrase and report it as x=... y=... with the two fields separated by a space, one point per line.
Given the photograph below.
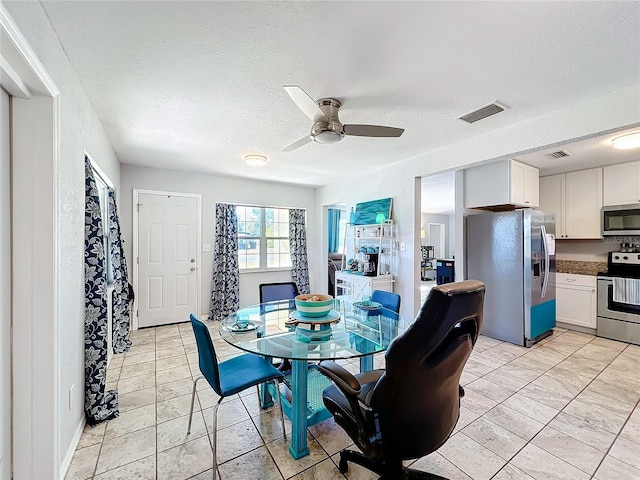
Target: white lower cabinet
x=355 y=286
x=576 y=300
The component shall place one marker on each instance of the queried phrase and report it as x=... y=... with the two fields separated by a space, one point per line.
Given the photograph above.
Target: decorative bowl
x=314 y=304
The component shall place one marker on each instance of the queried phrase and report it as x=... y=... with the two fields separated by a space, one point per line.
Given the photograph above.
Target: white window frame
x=104 y=184
x=263 y=238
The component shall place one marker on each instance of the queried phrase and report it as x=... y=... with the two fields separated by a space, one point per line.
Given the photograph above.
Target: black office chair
x=410 y=409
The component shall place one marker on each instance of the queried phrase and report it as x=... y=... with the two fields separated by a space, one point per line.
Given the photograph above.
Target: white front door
x=167 y=258
x=5 y=288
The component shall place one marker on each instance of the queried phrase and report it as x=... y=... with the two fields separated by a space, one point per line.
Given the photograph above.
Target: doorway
x=167 y=259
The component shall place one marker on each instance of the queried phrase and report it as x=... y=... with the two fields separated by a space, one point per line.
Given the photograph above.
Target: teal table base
x=305 y=407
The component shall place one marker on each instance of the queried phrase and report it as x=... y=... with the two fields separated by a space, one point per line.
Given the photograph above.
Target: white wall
x=80 y=129
x=220 y=189
x=609 y=112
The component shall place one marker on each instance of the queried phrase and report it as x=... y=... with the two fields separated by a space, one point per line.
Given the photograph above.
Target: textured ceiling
x=197 y=85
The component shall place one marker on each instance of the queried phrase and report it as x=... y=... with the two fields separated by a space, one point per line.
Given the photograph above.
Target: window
x=263 y=238
x=103 y=185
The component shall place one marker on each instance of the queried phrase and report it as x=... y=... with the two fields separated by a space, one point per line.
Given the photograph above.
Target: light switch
x=206 y=247
x=402 y=247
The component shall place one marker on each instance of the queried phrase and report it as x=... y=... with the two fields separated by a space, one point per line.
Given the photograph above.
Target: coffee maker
x=370 y=268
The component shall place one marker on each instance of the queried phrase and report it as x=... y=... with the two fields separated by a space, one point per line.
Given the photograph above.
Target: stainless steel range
x=618 y=298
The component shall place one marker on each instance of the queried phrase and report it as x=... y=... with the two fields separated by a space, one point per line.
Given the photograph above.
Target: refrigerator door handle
x=545 y=246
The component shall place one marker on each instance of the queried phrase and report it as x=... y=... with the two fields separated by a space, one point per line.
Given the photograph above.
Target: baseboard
x=66 y=461
x=569 y=326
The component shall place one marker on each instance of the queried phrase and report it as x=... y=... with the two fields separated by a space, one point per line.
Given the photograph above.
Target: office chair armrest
x=341 y=377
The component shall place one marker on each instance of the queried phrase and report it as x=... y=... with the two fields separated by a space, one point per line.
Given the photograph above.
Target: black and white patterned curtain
x=225 y=286
x=121 y=299
x=298 y=249
x=98 y=404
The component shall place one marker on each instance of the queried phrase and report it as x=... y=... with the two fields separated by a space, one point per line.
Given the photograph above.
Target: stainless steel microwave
x=621 y=220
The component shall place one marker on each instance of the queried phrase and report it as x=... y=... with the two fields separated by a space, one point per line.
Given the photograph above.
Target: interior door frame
x=441 y=237
x=35 y=137
x=134 y=259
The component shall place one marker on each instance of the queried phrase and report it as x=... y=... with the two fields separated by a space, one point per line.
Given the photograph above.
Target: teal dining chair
x=229 y=377
x=388 y=300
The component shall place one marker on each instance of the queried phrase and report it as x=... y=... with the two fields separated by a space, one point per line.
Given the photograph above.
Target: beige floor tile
x=270 y=427
x=619 y=407
x=476 y=368
x=514 y=421
x=237 y=440
x=175 y=407
x=229 y=413
x=579 y=429
x=174 y=432
x=438 y=465
x=127 y=448
x=169 y=352
x=172 y=374
x=171 y=362
x=321 y=471
x=466 y=378
x=146 y=368
x=144 y=469
x=252 y=404
x=130 y=421
x=465 y=418
x=472 y=458
x=530 y=408
x=279 y=450
x=498 y=377
x=136 y=399
x=489 y=360
x=330 y=436
x=613 y=391
x=489 y=390
x=596 y=416
x=186 y=460
x=169 y=342
x=626 y=451
x=256 y=464
x=529 y=363
x=135 y=359
x=146 y=347
x=570 y=377
x=509 y=472
x=631 y=431
x=476 y=402
x=546 y=396
x=176 y=389
x=92 y=435
x=116 y=360
x=542 y=465
x=614 y=469
x=569 y=449
x=520 y=373
x=497 y=439
x=83 y=463
x=132 y=384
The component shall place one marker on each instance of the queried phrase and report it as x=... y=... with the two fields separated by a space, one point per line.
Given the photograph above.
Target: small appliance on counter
x=370 y=265
x=513 y=254
x=619 y=298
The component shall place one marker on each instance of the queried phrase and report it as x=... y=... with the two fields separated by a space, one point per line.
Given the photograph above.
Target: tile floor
x=565 y=409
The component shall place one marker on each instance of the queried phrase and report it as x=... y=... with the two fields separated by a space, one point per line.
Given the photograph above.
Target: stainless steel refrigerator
x=513 y=253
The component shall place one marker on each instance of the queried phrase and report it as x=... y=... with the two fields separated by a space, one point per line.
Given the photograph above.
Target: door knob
x=193 y=269
x=193 y=260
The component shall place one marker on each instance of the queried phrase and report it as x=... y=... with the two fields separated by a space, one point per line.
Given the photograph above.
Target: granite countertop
x=577 y=267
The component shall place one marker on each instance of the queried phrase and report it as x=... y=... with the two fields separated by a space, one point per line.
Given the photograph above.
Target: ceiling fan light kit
x=255 y=160
x=327 y=127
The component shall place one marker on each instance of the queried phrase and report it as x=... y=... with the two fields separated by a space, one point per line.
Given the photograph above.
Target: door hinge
x=137 y=260
x=138 y=206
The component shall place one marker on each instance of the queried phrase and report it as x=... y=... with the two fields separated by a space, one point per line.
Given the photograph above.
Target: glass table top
x=349 y=331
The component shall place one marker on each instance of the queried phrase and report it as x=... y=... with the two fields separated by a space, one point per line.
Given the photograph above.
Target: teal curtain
x=334 y=229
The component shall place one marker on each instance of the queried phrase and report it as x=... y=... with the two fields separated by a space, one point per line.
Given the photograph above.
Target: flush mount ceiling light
x=255 y=160
x=626 y=142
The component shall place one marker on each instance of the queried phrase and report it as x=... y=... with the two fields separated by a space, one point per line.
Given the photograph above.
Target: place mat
x=370 y=306
x=237 y=329
x=296 y=317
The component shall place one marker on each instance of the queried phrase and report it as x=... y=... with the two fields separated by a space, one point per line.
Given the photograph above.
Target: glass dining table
x=357 y=331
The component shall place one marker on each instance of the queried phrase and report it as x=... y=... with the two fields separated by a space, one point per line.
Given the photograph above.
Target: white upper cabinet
x=622 y=184
x=506 y=182
x=576 y=199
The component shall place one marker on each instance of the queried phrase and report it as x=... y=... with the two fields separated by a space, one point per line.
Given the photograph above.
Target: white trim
x=97 y=170
x=66 y=461
x=136 y=193
x=11 y=81
x=35 y=358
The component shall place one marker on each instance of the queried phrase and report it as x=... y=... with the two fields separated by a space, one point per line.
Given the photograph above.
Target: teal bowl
x=314 y=305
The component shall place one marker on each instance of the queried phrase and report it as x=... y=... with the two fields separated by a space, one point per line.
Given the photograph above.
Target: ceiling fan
x=326 y=125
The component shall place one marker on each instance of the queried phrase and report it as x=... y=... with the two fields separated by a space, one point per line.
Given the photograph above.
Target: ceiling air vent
x=559 y=154
x=483 y=112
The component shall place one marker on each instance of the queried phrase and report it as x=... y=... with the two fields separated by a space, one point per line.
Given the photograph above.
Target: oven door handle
x=545 y=247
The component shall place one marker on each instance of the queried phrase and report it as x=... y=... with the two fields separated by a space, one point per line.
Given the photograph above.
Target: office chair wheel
x=343 y=466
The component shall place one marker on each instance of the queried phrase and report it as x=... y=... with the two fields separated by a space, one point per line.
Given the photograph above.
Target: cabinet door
x=531 y=186
x=576 y=305
x=583 y=202
x=552 y=200
x=517 y=184
x=622 y=184
x=524 y=185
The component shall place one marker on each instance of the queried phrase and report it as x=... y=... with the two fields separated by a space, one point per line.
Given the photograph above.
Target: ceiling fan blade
x=297 y=144
x=372 y=131
x=305 y=103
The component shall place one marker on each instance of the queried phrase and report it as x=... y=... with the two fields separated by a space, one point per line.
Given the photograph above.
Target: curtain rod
x=258 y=206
